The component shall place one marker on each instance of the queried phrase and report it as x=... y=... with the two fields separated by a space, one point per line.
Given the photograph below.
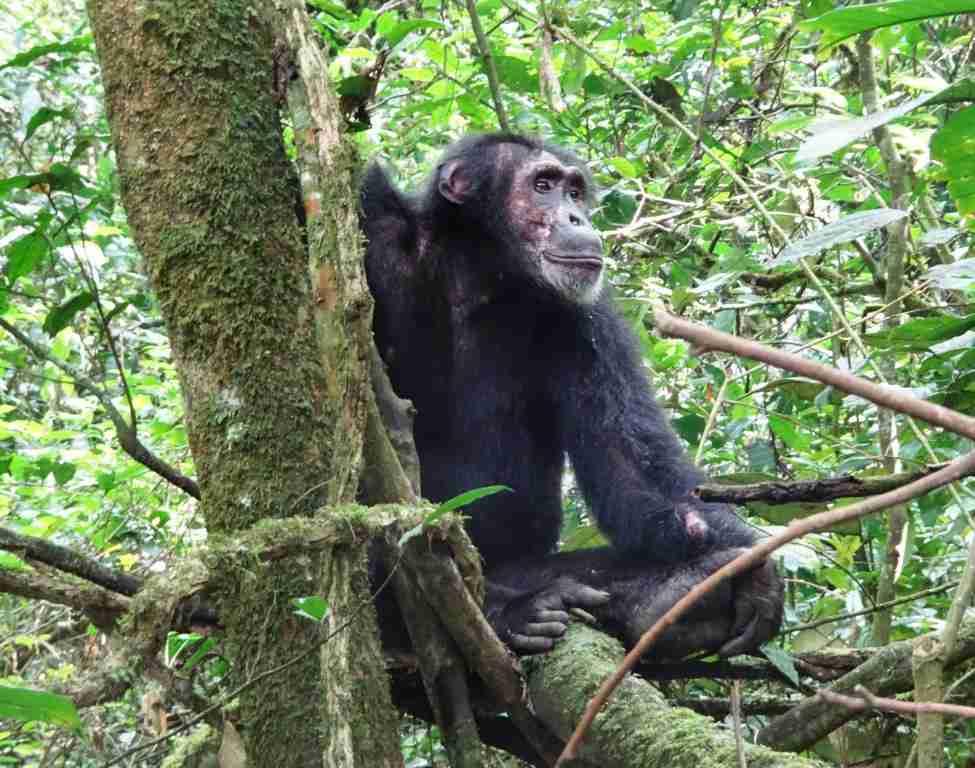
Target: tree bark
x=273 y=419
x=886 y=673
x=637 y=728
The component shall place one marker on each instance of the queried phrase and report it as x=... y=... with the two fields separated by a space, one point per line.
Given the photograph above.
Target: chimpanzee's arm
x=629 y=463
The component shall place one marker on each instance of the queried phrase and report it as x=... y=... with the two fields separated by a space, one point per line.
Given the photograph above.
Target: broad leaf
x=953 y=277
x=26 y=705
x=59 y=317
x=42 y=116
x=846 y=22
x=921 y=334
x=25 y=254
x=844 y=230
x=954 y=146
x=313 y=607
x=835 y=135
x=402 y=29
x=76 y=45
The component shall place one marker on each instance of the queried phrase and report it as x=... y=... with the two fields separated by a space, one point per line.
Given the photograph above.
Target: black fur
x=508 y=377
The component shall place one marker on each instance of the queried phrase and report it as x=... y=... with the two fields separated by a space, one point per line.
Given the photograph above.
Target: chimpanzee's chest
x=493 y=378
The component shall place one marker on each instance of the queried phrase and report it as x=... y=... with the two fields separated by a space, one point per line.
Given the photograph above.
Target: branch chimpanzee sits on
x=492 y=318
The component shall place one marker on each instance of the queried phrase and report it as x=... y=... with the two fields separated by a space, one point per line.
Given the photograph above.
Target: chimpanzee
x=492 y=317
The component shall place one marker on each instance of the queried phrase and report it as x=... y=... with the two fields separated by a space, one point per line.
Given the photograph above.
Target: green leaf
x=178 y=643
x=42 y=116
x=954 y=146
x=397 y=33
x=461 y=500
x=792 y=123
x=624 y=166
x=690 y=426
x=313 y=607
x=63 y=471
x=953 y=277
x=355 y=85
x=78 y=44
x=25 y=254
x=921 y=334
x=26 y=705
x=9 y=562
x=841 y=231
x=639 y=44
x=106 y=480
x=200 y=653
x=419 y=74
x=66 y=179
x=782 y=661
x=836 y=134
x=516 y=74
x=786 y=431
x=18 y=182
x=846 y=22
x=59 y=317
x=960 y=91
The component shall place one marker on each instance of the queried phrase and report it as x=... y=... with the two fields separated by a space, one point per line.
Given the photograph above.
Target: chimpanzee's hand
x=532 y=623
x=757 y=601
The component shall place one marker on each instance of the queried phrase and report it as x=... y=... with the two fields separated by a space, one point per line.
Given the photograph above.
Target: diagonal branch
x=68 y=561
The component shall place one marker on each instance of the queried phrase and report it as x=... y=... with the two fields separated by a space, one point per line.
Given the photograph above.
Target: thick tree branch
x=638 y=728
x=69 y=561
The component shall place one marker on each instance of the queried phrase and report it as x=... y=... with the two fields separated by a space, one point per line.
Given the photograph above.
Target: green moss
x=195 y=750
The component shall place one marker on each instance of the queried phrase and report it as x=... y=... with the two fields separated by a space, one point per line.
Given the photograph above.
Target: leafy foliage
x=753 y=82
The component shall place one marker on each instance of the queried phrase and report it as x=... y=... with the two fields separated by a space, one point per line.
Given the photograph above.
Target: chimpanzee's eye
x=543 y=185
x=575 y=194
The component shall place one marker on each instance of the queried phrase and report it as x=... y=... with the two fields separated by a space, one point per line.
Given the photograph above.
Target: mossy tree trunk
x=210 y=199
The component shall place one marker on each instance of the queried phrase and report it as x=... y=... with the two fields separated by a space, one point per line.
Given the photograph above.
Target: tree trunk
x=210 y=199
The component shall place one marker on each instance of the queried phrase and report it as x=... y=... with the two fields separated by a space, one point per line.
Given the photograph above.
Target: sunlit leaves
x=954 y=146
x=839 y=24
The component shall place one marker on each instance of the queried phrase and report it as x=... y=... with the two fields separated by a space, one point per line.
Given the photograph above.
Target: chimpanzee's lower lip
x=583 y=260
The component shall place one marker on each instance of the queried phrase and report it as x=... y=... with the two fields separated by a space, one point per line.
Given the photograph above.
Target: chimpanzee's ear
x=455 y=183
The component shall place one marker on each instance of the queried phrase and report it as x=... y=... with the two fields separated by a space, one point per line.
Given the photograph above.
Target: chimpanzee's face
x=548 y=213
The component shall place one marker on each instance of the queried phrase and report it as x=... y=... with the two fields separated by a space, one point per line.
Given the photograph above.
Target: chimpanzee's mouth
x=579 y=261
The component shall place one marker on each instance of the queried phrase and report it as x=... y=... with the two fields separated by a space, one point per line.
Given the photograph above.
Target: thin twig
x=489 y=68
x=873 y=609
x=736 y=720
x=865 y=701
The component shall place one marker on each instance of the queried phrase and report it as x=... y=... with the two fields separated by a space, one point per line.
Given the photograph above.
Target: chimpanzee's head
x=533 y=201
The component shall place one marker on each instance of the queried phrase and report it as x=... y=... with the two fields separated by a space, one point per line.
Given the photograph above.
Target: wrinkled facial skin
x=549 y=217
